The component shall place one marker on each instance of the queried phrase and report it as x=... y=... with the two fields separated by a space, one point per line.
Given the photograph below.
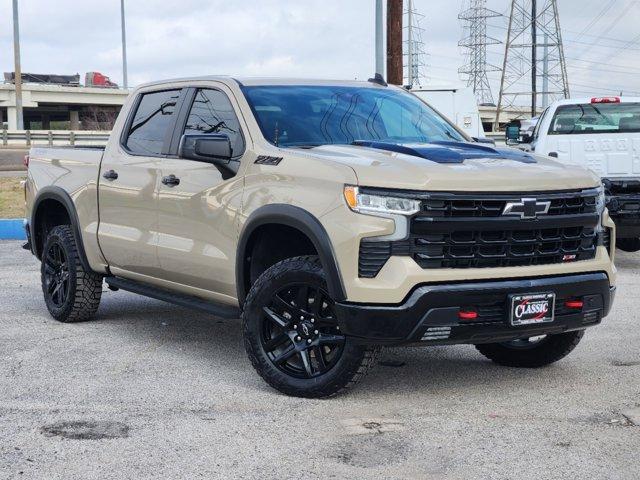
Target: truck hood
x=454 y=166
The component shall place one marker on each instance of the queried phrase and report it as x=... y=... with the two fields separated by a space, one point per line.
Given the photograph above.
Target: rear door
x=198 y=214
x=603 y=135
x=129 y=178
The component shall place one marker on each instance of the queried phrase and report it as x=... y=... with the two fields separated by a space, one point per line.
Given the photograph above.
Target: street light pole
x=379 y=39
x=124 y=46
x=17 y=69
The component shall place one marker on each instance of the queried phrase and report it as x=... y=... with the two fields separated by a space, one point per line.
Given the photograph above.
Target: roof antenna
x=378 y=80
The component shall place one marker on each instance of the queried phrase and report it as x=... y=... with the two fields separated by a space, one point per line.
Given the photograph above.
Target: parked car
x=334 y=217
x=602 y=134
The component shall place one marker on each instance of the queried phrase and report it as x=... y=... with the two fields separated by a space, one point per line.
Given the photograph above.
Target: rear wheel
x=292 y=335
x=628 y=244
x=71 y=293
x=533 y=352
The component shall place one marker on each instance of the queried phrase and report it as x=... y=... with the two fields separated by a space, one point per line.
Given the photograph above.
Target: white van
x=603 y=134
x=457 y=103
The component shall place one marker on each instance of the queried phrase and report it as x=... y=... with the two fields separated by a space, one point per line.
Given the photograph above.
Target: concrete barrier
x=12 y=229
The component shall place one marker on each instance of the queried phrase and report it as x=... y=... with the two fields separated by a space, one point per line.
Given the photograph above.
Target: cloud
x=305 y=38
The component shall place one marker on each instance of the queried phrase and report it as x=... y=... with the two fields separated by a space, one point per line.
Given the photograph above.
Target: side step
x=217 y=309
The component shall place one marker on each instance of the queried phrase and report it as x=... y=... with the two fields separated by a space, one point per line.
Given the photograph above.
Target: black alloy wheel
x=56 y=275
x=300 y=333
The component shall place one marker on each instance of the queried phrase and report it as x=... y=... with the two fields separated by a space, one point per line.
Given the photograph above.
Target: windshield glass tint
x=592 y=118
x=317 y=115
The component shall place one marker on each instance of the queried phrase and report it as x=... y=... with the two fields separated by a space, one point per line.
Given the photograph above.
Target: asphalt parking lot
x=151 y=390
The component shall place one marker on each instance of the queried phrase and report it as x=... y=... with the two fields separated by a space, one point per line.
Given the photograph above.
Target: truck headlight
x=379 y=204
x=396 y=208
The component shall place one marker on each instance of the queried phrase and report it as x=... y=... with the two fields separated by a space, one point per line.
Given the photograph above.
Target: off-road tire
x=349 y=369
x=628 y=244
x=549 y=350
x=84 y=287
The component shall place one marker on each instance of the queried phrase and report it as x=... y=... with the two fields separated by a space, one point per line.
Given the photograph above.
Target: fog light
x=575 y=304
x=467 y=315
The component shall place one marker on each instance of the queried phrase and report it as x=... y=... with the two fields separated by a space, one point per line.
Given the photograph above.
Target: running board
x=217 y=309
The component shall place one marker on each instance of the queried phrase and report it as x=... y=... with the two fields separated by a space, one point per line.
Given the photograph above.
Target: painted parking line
x=12 y=229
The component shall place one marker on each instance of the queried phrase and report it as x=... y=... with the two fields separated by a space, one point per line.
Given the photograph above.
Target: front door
x=129 y=179
x=198 y=202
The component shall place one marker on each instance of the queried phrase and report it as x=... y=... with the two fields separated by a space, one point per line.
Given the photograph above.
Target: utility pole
x=124 y=46
x=379 y=39
x=17 y=81
x=410 y=42
x=394 y=42
x=534 y=58
x=528 y=20
x=474 y=17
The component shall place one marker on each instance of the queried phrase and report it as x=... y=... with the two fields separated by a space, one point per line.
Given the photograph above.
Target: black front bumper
x=429 y=315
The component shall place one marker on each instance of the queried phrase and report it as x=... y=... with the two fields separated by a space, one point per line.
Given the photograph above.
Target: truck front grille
x=471 y=232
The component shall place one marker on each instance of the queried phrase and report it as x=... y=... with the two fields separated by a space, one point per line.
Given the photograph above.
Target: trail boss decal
x=532 y=309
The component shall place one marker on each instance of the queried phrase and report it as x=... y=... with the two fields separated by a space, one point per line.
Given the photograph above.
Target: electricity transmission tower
x=474 y=16
x=533 y=52
x=415 y=56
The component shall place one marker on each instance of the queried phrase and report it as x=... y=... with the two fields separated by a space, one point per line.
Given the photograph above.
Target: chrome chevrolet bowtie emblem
x=526 y=208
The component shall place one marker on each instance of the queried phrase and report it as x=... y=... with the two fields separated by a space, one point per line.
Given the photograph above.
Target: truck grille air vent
x=470 y=231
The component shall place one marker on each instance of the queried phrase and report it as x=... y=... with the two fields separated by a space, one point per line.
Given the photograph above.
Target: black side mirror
x=215 y=148
x=512 y=135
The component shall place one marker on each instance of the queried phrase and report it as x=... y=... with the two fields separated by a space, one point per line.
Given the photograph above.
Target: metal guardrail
x=52 y=137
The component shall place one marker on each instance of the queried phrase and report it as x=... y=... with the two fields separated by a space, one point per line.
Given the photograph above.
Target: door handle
x=110 y=175
x=171 y=180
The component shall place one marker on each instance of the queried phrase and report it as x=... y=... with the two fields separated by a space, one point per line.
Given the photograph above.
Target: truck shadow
x=202 y=338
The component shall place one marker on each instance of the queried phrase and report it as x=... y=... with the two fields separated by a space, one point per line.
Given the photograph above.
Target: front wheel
x=628 y=244
x=292 y=336
x=533 y=352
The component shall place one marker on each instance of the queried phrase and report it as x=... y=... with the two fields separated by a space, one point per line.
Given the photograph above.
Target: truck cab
x=602 y=134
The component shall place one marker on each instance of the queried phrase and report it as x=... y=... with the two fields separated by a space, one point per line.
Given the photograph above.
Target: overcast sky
x=306 y=38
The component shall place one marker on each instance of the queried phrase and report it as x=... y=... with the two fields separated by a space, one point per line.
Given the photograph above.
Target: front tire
x=292 y=336
x=71 y=293
x=532 y=352
x=628 y=244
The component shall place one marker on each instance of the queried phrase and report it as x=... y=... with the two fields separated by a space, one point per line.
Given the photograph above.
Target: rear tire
x=292 y=336
x=534 y=355
x=71 y=293
x=628 y=244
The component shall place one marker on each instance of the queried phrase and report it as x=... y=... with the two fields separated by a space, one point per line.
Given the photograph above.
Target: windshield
x=591 y=118
x=307 y=116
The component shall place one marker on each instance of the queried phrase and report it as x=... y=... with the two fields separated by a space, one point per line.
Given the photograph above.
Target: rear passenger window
x=212 y=112
x=152 y=119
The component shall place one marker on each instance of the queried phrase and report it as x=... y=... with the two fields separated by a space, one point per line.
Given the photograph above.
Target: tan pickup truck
x=334 y=217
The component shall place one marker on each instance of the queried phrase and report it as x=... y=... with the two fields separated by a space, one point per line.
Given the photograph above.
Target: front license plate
x=532 y=308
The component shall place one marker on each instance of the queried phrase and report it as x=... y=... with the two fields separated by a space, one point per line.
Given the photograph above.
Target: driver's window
x=211 y=112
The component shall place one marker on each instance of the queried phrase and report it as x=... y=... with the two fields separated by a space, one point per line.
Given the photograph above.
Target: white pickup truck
x=602 y=134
